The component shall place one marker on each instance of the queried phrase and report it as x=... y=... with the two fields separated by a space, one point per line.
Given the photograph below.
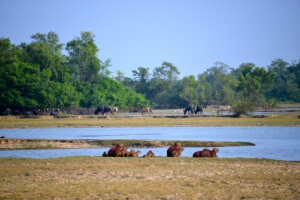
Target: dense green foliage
x=38 y=75
x=245 y=87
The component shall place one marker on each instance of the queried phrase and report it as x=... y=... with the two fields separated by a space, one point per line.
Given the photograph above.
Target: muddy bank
x=14 y=144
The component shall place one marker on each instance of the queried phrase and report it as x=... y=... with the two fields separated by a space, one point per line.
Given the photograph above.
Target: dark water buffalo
x=189 y=109
x=199 y=110
x=104 y=109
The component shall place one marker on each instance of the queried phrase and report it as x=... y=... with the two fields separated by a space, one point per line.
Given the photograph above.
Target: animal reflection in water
x=224 y=108
x=146 y=110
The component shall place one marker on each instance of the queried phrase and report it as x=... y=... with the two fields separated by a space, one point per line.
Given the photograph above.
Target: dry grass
x=152 y=178
x=85 y=121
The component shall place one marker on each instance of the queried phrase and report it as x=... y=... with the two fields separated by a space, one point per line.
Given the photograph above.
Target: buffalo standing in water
x=104 y=109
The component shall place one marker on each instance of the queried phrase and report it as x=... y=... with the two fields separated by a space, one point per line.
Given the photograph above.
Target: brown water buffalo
x=206 y=153
x=175 y=146
x=146 y=110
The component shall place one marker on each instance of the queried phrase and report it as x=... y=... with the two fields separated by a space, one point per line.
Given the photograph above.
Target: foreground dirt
x=148 y=178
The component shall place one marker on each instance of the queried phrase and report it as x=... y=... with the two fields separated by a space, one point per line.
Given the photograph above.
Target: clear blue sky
x=191 y=34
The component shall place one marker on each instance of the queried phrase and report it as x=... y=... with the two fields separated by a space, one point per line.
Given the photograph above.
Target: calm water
x=281 y=143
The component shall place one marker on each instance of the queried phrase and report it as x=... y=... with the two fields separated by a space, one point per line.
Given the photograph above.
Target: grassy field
x=145 y=178
x=111 y=121
x=148 y=178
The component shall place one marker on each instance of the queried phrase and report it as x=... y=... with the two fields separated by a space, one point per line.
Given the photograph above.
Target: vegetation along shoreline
x=22 y=144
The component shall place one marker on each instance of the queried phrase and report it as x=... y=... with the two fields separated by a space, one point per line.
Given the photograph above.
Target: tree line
x=245 y=88
x=39 y=75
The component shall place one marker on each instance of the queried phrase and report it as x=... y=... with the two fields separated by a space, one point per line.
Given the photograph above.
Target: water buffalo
x=189 y=109
x=103 y=110
x=199 y=110
x=224 y=108
x=146 y=110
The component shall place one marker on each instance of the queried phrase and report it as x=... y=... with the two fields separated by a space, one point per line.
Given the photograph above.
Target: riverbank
x=26 y=144
x=144 y=121
x=148 y=178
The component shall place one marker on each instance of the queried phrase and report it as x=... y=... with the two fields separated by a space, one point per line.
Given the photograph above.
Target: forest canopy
x=39 y=75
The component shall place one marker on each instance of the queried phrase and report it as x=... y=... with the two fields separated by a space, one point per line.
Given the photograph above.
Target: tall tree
x=217 y=84
x=83 y=58
x=190 y=90
x=254 y=82
x=164 y=78
x=141 y=78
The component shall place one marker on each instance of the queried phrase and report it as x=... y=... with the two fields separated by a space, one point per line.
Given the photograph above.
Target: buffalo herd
x=192 y=110
x=175 y=150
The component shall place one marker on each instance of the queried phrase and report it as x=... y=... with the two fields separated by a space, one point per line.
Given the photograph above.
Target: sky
x=190 y=34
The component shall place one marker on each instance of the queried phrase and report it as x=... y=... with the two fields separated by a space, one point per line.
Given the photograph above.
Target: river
x=280 y=143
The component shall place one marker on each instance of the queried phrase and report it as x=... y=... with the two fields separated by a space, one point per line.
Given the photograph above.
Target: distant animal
x=129 y=153
x=188 y=110
x=136 y=153
x=112 y=152
x=132 y=153
x=115 y=109
x=121 y=152
x=146 y=110
x=7 y=111
x=206 y=153
x=224 y=108
x=104 y=154
x=54 y=111
x=199 y=110
x=103 y=110
x=175 y=147
x=149 y=154
x=177 y=152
